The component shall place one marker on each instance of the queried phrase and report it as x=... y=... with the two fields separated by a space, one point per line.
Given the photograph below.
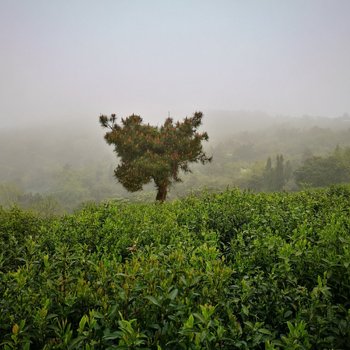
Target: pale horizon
x=74 y=60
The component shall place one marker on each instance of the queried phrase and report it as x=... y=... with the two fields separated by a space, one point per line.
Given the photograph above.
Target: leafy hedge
x=234 y=270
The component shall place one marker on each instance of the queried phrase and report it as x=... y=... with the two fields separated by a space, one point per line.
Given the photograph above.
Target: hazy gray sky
x=79 y=58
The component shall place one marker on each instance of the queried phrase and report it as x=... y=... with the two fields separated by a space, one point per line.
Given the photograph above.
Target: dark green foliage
x=234 y=270
x=273 y=177
x=149 y=153
x=325 y=171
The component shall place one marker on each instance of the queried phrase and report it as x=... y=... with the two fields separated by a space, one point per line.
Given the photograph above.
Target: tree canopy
x=325 y=171
x=154 y=153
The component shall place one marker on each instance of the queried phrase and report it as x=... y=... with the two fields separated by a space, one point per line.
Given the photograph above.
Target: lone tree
x=154 y=153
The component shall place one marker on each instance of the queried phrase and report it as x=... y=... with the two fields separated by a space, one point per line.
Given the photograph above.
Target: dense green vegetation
x=233 y=270
x=273 y=177
x=325 y=171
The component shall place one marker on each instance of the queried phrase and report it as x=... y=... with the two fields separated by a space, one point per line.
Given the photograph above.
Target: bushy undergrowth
x=234 y=270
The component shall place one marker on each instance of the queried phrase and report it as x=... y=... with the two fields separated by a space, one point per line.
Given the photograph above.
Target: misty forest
x=60 y=170
x=175 y=175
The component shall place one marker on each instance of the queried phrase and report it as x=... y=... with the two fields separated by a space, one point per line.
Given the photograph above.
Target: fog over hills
x=271 y=77
x=64 y=60
x=56 y=143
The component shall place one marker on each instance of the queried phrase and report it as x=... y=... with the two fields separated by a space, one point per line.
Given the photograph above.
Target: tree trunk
x=162 y=192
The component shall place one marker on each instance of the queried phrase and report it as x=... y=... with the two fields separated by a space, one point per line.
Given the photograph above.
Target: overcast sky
x=68 y=59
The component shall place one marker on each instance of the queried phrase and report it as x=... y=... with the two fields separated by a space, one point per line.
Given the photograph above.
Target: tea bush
x=233 y=270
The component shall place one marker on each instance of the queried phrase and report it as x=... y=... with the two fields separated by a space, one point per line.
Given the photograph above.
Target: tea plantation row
x=234 y=270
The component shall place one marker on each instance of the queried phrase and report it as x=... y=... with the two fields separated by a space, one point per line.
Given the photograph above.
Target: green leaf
x=200 y=317
x=113 y=336
x=287 y=314
x=153 y=300
x=172 y=295
x=245 y=310
x=190 y=322
x=98 y=315
x=82 y=322
x=264 y=331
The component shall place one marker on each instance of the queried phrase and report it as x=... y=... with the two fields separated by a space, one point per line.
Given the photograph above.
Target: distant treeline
x=61 y=169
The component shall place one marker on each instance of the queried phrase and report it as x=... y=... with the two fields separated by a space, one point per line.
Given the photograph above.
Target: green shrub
x=233 y=270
